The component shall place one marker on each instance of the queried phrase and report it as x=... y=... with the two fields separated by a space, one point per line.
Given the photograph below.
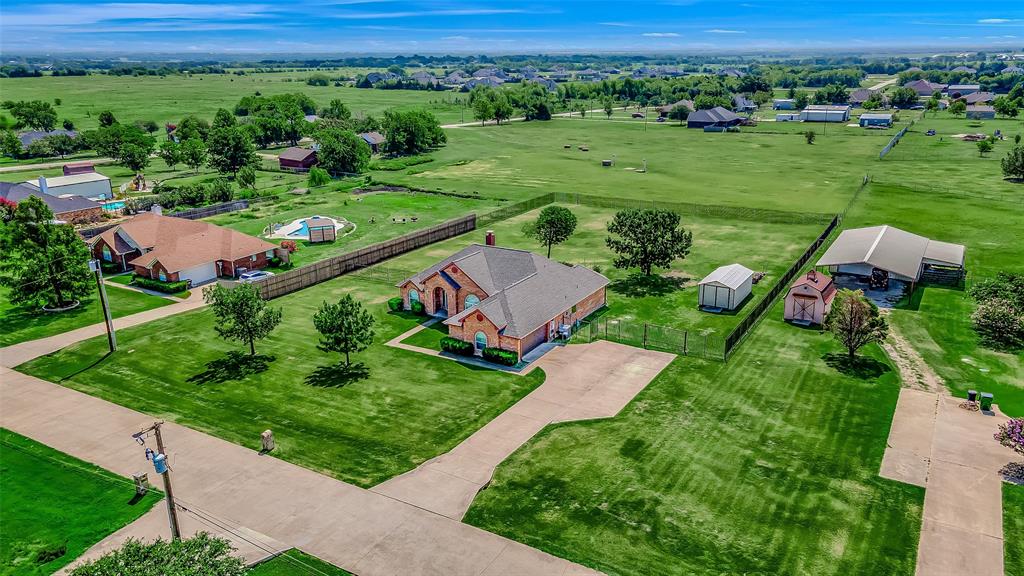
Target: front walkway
x=229 y=489
x=950 y=452
x=582 y=382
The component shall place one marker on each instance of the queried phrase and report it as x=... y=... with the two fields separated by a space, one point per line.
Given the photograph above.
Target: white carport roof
x=731 y=276
x=890 y=249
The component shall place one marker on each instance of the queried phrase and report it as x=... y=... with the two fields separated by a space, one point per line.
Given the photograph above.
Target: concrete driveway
x=583 y=382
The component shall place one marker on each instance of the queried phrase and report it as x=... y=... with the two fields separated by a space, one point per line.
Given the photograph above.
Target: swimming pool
x=113 y=205
x=301 y=232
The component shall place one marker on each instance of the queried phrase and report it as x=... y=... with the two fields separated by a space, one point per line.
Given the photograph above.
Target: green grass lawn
x=940 y=329
x=18 y=324
x=430 y=337
x=54 y=507
x=669 y=299
x=765 y=465
x=770 y=168
x=296 y=562
x=391 y=213
x=387 y=415
x=1013 y=529
x=172 y=98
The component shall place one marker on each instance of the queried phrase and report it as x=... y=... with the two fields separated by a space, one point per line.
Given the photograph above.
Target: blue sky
x=386 y=26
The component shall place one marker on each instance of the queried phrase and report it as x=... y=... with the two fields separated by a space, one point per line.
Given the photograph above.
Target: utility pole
x=164 y=470
x=94 y=265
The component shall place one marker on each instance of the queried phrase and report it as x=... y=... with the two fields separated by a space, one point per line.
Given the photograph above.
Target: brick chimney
x=489 y=239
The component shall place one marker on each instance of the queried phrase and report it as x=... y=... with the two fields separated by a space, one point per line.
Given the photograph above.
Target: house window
x=270 y=254
x=480 y=340
x=472 y=300
x=163 y=277
x=414 y=296
x=106 y=253
x=253 y=257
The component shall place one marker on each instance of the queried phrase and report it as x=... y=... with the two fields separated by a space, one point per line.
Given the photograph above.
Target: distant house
x=726 y=288
x=31 y=136
x=716 y=117
x=731 y=73
x=492 y=81
x=1012 y=70
x=914 y=69
x=825 y=113
x=809 y=299
x=425 y=78
x=964 y=70
x=788 y=117
x=502 y=298
x=72 y=209
x=980 y=112
x=174 y=249
x=455 y=78
x=960 y=90
x=664 y=111
x=784 y=104
x=979 y=98
x=374 y=139
x=490 y=73
x=297 y=159
x=72 y=168
x=879 y=120
x=91 y=185
x=378 y=77
x=924 y=88
x=741 y=103
x=547 y=83
x=862 y=95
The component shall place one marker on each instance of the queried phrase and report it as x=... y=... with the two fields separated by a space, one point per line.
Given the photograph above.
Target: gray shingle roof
x=524 y=290
x=16 y=192
x=713 y=115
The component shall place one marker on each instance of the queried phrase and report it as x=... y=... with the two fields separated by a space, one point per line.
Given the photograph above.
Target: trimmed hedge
x=108 y=266
x=166 y=287
x=456 y=346
x=499 y=356
x=417 y=307
x=395 y=304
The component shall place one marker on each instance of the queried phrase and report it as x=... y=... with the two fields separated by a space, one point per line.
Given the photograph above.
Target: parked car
x=660 y=119
x=254 y=276
x=637 y=115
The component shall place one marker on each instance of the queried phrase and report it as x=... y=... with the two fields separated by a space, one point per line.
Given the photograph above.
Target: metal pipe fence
x=651 y=337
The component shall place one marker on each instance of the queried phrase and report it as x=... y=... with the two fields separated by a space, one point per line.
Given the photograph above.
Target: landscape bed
x=54 y=507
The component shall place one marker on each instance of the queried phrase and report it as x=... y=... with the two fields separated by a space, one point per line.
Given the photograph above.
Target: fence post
x=686 y=335
x=645 y=335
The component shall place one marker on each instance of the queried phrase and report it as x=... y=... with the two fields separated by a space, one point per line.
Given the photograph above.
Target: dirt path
x=914 y=371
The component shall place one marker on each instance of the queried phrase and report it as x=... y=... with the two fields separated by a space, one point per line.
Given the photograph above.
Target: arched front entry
x=440 y=302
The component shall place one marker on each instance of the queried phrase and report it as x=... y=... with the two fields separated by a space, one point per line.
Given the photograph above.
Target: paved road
x=883 y=84
x=582 y=382
x=54 y=164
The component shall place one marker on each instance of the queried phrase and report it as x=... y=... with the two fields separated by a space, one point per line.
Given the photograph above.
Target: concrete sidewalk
x=582 y=382
x=361 y=531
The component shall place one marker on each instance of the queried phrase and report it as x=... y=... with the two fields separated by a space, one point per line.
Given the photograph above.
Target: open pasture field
x=387 y=414
x=391 y=214
x=19 y=324
x=938 y=323
x=171 y=98
x=670 y=297
x=767 y=464
x=54 y=507
x=772 y=168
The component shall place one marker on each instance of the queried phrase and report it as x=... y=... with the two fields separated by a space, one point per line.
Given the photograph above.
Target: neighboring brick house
x=297 y=159
x=504 y=298
x=172 y=249
x=73 y=209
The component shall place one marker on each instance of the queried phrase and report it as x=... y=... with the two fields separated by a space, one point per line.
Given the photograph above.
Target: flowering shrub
x=289 y=245
x=1011 y=435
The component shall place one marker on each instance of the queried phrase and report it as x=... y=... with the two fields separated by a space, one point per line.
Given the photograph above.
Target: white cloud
x=724 y=31
x=619 y=24
x=994 y=21
x=424 y=13
x=660 y=34
x=456 y=38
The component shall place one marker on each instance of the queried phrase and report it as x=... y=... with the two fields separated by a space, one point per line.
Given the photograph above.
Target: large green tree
x=344 y=327
x=411 y=132
x=201 y=554
x=554 y=225
x=170 y=152
x=229 y=149
x=45 y=263
x=855 y=321
x=35 y=114
x=1013 y=163
x=242 y=313
x=647 y=237
x=193 y=153
x=341 y=151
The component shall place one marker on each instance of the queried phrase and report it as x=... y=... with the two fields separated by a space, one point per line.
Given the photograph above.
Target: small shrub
x=318 y=177
x=50 y=553
x=159 y=286
x=395 y=304
x=417 y=307
x=499 y=356
x=278 y=263
x=108 y=267
x=456 y=346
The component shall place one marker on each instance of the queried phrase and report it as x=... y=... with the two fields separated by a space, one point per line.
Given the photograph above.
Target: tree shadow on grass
x=639 y=285
x=338 y=375
x=234 y=366
x=860 y=367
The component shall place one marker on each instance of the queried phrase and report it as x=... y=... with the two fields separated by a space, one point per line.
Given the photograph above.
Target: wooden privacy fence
x=762 y=306
x=651 y=337
x=222 y=208
x=305 y=276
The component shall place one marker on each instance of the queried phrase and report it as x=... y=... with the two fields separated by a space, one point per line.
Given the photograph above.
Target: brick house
x=504 y=298
x=297 y=159
x=172 y=249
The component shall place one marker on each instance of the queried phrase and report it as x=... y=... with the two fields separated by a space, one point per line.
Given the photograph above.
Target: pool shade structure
x=320 y=230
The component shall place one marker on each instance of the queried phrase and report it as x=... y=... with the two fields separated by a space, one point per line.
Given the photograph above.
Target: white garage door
x=199 y=274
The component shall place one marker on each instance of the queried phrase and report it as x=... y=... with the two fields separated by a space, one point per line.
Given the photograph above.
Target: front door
x=440 y=302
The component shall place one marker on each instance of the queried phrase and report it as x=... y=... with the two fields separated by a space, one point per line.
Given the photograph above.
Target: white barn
x=725 y=288
x=92 y=185
x=825 y=113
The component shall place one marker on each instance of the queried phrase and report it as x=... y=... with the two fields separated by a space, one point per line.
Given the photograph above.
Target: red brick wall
x=229 y=268
x=81 y=216
x=154 y=272
x=97 y=253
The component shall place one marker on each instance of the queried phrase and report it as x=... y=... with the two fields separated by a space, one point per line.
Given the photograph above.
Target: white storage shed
x=725 y=288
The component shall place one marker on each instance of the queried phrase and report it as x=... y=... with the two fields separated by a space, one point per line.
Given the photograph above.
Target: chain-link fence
x=651 y=337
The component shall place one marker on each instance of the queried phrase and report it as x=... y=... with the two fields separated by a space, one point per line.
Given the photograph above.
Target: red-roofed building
x=810 y=298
